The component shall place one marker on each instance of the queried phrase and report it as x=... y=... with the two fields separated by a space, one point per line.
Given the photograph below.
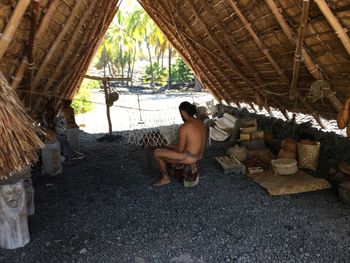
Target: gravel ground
x=103 y=209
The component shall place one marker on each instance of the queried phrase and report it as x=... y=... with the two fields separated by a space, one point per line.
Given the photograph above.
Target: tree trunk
x=162 y=59
x=169 y=60
x=129 y=68
x=133 y=66
x=150 y=60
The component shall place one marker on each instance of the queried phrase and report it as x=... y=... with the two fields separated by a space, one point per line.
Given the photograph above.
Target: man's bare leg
x=165 y=179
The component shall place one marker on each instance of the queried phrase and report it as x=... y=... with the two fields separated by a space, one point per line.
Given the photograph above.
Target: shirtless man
x=190 y=148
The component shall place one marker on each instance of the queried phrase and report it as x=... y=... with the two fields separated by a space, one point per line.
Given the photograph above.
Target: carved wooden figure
x=14 y=231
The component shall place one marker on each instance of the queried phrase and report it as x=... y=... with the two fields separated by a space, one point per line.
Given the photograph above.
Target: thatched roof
x=246 y=50
x=46 y=47
x=264 y=51
x=252 y=51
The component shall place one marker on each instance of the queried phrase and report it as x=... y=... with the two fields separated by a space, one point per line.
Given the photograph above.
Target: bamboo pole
x=334 y=22
x=12 y=25
x=68 y=25
x=30 y=71
x=298 y=49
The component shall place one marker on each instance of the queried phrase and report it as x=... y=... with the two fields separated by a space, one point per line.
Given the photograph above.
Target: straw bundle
x=18 y=140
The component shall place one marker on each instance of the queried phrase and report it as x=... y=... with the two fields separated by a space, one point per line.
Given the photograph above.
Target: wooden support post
x=298 y=53
x=30 y=52
x=12 y=25
x=334 y=22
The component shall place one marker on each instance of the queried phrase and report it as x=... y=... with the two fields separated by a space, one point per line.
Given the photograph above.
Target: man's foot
x=162 y=182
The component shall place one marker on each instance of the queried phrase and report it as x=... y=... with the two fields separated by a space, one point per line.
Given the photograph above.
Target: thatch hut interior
x=289 y=55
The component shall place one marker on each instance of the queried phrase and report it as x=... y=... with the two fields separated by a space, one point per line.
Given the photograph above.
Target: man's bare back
x=190 y=148
x=195 y=134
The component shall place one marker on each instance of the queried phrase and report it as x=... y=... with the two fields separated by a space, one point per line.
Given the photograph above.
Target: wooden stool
x=188 y=173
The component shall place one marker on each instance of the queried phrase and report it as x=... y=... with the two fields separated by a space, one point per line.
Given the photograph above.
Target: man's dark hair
x=188 y=107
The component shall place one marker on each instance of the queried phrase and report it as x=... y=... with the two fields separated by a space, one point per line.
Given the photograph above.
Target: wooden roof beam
x=298 y=49
x=12 y=25
x=335 y=24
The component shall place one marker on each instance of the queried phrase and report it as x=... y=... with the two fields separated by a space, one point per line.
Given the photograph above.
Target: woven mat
x=299 y=182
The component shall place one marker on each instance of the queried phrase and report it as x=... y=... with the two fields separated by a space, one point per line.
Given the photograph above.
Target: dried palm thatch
x=18 y=140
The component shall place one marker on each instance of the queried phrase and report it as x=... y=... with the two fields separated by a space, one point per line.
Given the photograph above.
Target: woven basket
x=308 y=155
